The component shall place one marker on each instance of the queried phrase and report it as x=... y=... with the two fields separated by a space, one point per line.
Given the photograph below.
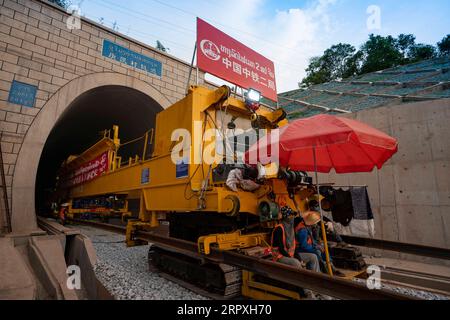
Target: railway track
x=317 y=282
x=417 y=280
x=415 y=249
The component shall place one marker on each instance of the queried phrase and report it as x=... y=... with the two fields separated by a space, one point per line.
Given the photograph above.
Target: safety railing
x=133 y=157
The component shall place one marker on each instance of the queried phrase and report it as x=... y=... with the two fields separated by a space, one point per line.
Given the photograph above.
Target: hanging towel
x=361 y=203
x=342 y=207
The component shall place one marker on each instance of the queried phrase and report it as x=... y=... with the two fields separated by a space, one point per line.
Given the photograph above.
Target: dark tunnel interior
x=82 y=125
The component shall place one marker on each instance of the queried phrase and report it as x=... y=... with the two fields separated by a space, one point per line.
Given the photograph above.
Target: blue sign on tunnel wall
x=133 y=59
x=22 y=93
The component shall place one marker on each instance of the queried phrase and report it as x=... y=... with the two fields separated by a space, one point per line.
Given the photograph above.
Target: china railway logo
x=210 y=50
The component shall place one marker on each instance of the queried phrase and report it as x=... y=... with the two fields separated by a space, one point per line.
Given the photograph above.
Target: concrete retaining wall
x=411 y=193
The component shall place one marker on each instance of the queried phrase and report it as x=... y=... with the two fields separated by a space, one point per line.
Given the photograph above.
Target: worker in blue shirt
x=305 y=242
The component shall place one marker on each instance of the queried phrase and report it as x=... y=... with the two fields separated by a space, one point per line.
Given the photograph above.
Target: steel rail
x=318 y=282
x=415 y=249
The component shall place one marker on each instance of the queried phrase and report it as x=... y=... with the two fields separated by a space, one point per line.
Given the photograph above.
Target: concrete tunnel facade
x=67 y=125
x=75 y=82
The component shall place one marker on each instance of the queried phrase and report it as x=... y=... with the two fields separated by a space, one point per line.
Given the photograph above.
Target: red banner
x=88 y=171
x=228 y=59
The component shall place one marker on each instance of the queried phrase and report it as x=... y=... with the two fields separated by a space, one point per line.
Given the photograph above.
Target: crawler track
x=221 y=280
x=317 y=282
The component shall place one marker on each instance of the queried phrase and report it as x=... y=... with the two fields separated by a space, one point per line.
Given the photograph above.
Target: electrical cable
x=224 y=25
x=92 y=17
x=292 y=66
x=147 y=16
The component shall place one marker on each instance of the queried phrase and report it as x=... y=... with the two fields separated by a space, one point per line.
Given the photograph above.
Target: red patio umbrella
x=326 y=142
x=342 y=144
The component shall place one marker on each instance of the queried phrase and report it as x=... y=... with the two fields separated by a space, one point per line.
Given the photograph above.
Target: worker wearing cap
x=305 y=242
x=284 y=244
x=283 y=239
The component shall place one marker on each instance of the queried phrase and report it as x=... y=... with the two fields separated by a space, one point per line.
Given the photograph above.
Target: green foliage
x=444 y=46
x=380 y=53
x=336 y=63
x=404 y=43
x=315 y=73
x=422 y=52
x=377 y=53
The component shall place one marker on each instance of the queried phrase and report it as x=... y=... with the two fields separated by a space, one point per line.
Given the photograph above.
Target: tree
x=377 y=53
x=335 y=60
x=380 y=53
x=314 y=72
x=404 y=43
x=354 y=65
x=62 y=3
x=332 y=65
x=421 y=52
x=444 y=46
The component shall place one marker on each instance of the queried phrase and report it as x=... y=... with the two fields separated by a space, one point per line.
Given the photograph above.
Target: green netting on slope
x=319 y=98
x=437 y=94
x=410 y=77
x=405 y=91
x=349 y=87
x=341 y=102
x=376 y=77
x=328 y=86
x=291 y=107
x=438 y=63
x=269 y=103
x=304 y=114
x=415 y=66
x=373 y=89
x=443 y=77
x=301 y=94
x=369 y=102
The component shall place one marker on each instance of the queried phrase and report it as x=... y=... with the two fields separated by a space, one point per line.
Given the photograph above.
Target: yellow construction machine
x=176 y=184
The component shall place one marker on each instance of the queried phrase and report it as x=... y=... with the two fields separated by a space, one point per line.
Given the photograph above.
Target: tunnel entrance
x=82 y=125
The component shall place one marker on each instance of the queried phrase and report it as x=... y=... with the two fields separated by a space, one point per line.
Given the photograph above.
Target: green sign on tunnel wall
x=133 y=59
x=22 y=93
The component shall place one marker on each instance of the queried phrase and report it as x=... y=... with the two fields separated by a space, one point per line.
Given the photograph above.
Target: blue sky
x=289 y=32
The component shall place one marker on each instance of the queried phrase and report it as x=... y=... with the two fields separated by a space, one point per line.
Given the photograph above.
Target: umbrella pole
x=322 y=225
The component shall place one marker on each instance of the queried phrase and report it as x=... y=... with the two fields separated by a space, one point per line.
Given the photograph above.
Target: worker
x=306 y=242
x=62 y=214
x=283 y=239
x=284 y=244
x=329 y=227
x=332 y=235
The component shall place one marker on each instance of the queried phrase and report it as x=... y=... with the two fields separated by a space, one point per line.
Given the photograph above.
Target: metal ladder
x=4 y=189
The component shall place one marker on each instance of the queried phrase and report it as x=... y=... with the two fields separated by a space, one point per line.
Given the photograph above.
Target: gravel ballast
x=125 y=272
x=418 y=294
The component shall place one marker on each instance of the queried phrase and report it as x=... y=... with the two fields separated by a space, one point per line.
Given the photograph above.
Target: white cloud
x=289 y=37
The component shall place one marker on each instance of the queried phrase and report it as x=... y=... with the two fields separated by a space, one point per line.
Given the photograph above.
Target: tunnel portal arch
x=53 y=115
